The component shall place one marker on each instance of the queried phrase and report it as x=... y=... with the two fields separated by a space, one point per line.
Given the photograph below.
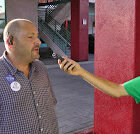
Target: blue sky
x=3 y=6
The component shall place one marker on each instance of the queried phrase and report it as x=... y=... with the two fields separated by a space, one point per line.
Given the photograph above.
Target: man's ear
x=9 y=43
x=10 y=40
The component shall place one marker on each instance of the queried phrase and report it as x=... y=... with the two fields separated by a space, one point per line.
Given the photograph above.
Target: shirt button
x=41 y=129
x=39 y=116
x=37 y=104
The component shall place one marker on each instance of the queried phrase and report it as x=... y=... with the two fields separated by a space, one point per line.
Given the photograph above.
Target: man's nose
x=38 y=42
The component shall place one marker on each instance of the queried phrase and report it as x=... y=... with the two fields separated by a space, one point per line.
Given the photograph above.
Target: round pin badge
x=10 y=78
x=15 y=86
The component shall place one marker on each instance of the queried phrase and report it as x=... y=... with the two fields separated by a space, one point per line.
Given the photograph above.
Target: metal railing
x=58 y=28
x=53 y=35
x=47 y=10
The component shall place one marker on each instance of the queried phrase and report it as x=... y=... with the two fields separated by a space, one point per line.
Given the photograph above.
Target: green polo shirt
x=133 y=88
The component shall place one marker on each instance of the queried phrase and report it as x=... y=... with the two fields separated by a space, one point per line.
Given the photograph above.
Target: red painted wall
x=79 y=32
x=117 y=58
x=136 y=114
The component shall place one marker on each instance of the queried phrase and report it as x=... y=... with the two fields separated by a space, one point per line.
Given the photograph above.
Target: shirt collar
x=13 y=70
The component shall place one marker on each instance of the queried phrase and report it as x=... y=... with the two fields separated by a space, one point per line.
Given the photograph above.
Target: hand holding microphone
x=70 y=66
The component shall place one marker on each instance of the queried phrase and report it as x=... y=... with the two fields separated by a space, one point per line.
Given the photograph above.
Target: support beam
x=79 y=29
x=117 y=58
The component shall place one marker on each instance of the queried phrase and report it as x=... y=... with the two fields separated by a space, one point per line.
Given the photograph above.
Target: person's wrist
x=82 y=72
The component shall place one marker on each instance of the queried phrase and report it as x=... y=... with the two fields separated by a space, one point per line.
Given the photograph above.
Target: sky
x=2 y=9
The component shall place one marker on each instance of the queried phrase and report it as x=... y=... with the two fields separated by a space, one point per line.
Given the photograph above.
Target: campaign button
x=15 y=86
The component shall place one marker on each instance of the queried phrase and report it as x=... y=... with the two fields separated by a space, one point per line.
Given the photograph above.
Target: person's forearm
x=103 y=85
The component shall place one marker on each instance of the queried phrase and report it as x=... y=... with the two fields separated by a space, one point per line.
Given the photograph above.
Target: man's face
x=27 y=42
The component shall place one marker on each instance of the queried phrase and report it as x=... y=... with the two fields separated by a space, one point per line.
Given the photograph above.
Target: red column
x=117 y=58
x=79 y=29
x=66 y=24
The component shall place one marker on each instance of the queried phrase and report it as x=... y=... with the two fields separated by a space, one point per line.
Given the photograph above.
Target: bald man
x=130 y=88
x=26 y=98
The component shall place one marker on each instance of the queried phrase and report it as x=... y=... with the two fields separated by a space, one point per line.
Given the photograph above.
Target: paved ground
x=75 y=98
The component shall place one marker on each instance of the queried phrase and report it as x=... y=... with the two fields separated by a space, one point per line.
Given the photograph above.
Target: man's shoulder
x=39 y=65
x=38 y=62
x=2 y=67
x=1 y=62
x=1 y=58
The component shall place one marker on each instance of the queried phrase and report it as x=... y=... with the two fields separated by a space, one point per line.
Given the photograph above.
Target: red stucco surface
x=117 y=58
x=79 y=32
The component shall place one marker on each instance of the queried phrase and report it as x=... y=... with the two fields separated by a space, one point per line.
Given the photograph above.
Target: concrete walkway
x=75 y=98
